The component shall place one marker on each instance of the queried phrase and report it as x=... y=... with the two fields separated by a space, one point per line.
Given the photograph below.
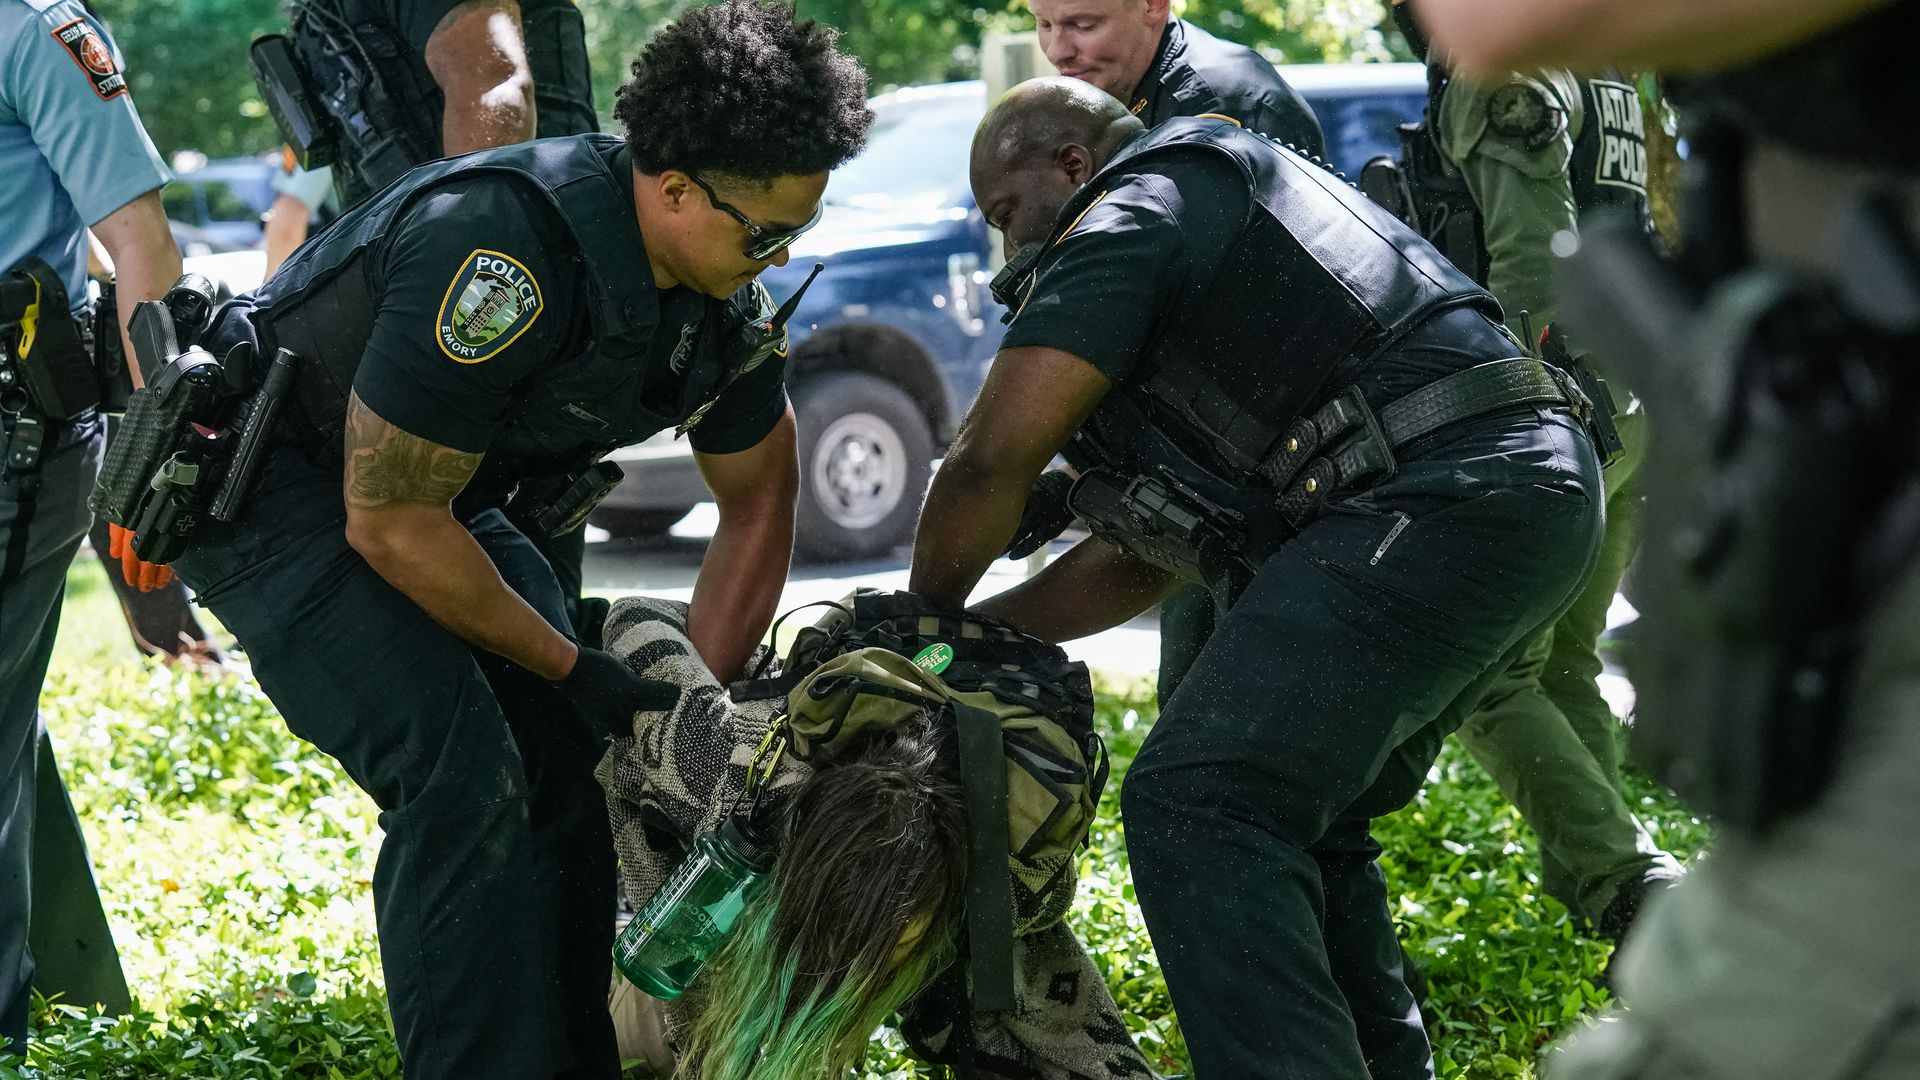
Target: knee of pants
x=1179 y=803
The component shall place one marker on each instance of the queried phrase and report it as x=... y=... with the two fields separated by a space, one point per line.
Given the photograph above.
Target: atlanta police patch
x=491 y=301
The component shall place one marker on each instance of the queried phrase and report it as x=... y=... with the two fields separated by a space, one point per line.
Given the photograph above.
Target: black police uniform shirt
x=1194 y=73
x=481 y=294
x=1152 y=246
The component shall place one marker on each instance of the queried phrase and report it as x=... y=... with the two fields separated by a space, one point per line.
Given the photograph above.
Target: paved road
x=666 y=566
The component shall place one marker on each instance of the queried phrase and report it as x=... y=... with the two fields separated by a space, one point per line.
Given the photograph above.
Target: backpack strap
x=983 y=783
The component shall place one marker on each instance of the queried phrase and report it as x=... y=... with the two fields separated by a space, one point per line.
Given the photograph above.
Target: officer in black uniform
x=1270 y=386
x=1779 y=671
x=482 y=324
x=421 y=79
x=1162 y=67
x=402 y=82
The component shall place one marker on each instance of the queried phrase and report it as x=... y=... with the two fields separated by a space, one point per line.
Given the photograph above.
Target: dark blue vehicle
x=893 y=341
x=216 y=206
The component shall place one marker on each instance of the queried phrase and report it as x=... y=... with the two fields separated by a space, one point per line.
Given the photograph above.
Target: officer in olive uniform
x=1268 y=385
x=1791 y=952
x=1533 y=151
x=74 y=157
x=485 y=323
x=1188 y=72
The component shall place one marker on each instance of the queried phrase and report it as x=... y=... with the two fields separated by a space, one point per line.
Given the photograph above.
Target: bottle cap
x=748 y=840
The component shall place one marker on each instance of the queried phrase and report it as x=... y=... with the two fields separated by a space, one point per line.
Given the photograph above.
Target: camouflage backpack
x=1031 y=766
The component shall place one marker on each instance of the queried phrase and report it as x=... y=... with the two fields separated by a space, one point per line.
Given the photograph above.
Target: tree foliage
x=187 y=59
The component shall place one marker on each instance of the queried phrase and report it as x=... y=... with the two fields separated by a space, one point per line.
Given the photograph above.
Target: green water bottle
x=685 y=922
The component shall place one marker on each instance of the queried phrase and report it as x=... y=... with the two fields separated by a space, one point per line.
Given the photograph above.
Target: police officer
x=1790 y=952
x=302 y=198
x=437 y=78
x=1165 y=67
x=1533 y=150
x=485 y=323
x=75 y=157
x=1385 y=495
x=434 y=78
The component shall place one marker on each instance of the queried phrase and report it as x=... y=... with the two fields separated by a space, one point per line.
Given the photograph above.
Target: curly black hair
x=744 y=89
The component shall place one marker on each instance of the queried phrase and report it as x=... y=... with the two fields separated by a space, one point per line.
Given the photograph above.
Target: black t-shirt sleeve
x=416 y=19
x=463 y=288
x=1153 y=241
x=746 y=411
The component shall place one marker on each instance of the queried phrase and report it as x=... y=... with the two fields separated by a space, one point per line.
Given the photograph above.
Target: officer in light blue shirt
x=74 y=157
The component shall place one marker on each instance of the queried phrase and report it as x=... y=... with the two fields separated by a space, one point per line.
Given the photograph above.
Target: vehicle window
x=182 y=203
x=916 y=158
x=1361 y=127
x=225 y=204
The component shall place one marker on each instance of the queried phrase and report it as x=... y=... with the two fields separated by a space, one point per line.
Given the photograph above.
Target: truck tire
x=866 y=452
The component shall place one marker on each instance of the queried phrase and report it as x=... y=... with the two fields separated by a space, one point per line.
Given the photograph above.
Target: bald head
x=1037 y=145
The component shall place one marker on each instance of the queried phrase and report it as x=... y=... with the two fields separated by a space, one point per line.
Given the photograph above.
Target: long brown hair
x=873 y=844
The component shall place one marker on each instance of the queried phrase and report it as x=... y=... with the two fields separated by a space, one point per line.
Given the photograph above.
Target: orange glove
x=144 y=576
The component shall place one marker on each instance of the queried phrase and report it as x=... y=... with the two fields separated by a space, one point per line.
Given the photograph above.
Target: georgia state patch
x=491 y=301
x=83 y=43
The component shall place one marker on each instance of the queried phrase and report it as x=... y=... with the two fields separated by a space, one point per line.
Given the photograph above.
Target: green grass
x=236 y=864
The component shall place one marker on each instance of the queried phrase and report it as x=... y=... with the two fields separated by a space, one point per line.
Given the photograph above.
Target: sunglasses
x=762 y=243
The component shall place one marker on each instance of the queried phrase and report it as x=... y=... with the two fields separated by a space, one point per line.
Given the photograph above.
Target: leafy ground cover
x=236 y=864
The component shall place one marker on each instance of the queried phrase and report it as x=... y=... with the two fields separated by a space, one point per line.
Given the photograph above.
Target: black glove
x=1047 y=514
x=608 y=693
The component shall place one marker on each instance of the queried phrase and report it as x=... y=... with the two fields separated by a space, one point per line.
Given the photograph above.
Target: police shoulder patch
x=90 y=51
x=489 y=303
x=1520 y=110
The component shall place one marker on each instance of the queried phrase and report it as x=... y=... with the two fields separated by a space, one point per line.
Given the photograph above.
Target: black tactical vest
x=1320 y=283
x=1609 y=164
x=343 y=40
x=320 y=306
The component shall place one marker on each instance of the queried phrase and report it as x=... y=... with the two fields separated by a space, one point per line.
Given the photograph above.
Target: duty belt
x=1345 y=441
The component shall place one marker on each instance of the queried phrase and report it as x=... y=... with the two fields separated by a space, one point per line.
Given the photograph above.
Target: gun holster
x=47 y=364
x=1790 y=435
x=1599 y=417
x=1160 y=520
x=1431 y=198
x=109 y=355
x=193 y=441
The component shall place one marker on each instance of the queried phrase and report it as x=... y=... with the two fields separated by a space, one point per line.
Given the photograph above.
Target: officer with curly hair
x=483 y=324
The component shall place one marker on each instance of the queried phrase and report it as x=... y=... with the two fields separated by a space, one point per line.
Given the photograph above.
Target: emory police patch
x=491 y=301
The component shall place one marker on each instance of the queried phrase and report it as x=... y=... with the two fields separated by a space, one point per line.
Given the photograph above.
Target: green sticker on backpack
x=935 y=658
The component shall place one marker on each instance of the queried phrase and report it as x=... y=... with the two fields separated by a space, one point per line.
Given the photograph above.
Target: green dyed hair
x=872 y=844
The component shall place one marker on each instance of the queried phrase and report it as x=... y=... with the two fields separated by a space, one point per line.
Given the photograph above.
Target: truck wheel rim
x=859 y=471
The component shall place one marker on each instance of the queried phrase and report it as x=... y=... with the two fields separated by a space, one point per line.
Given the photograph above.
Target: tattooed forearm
x=386 y=465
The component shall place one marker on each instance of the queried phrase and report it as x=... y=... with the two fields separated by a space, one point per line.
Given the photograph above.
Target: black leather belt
x=1345 y=441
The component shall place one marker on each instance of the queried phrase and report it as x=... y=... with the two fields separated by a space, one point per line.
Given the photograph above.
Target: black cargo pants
x=1317 y=705
x=494 y=887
